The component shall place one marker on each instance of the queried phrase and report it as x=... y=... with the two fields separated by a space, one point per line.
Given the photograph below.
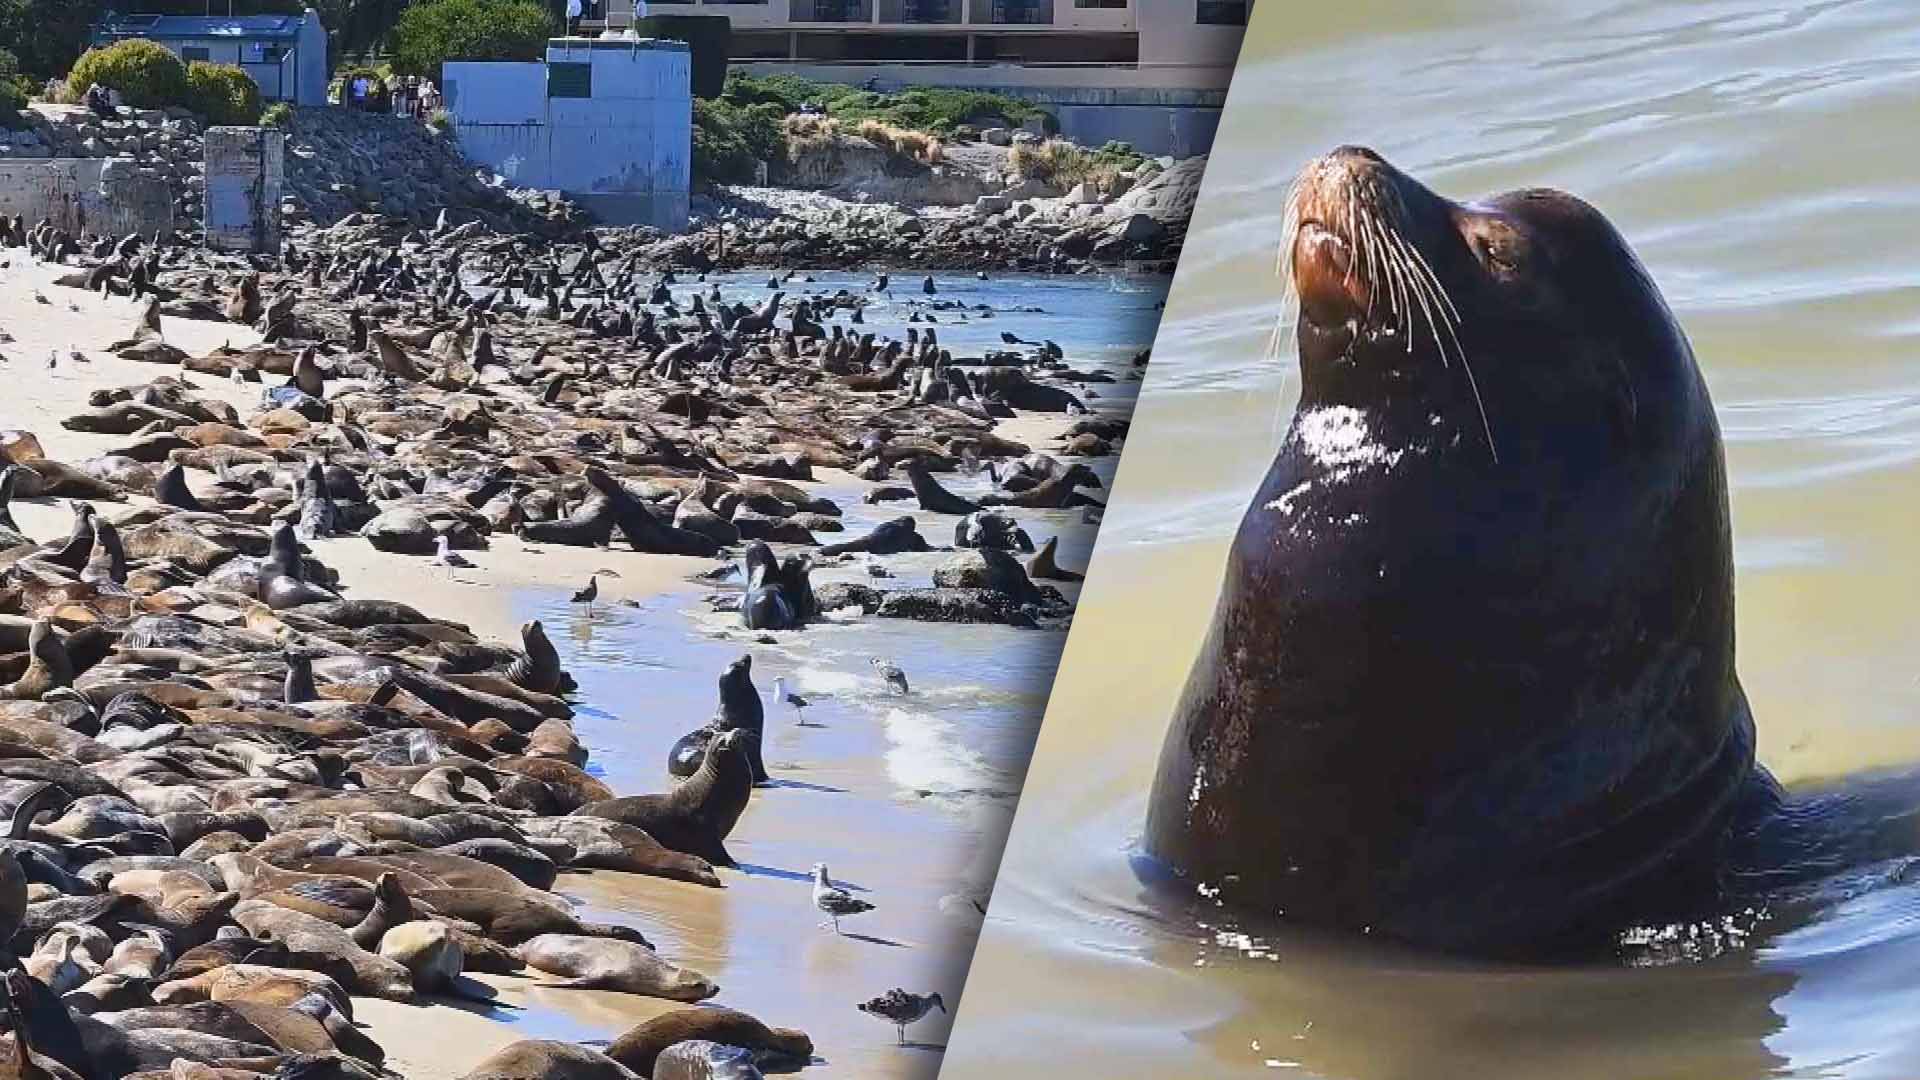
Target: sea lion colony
x=237 y=795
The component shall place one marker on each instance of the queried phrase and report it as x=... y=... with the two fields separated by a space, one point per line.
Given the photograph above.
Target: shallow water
x=1758 y=158
x=905 y=797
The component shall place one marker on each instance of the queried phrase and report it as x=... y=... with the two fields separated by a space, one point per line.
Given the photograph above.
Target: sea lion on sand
x=591 y=963
x=641 y=1046
x=608 y=845
x=695 y=817
x=1470 y=678
x=546 y=1059
x=741 y=708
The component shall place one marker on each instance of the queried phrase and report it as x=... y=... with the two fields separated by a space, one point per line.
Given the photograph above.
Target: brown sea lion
x=638 y=1048
x=695 y=817
x=1470 y=681
x=591 y=963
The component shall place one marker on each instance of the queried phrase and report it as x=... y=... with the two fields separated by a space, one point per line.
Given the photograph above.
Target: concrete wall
x=625 y=153
x=246 y=174
x=97 y=196
x=1172 y=130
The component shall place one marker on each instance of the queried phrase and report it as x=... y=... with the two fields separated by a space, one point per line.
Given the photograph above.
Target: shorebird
x=900 y=1008
x=836 y=903
x=890 y=673
x=444 y=555
x=781 y=693
x=589 y=594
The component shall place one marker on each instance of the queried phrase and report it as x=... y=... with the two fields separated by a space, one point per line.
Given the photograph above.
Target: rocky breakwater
x=338 y=162
x=1025 y=226
x=241 y=791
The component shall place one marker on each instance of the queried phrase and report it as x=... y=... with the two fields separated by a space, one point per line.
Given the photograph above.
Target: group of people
x=408 y=95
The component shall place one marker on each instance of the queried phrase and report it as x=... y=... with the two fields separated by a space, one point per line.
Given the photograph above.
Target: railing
x=831 y=11
x=921 y=11
x=1011 y=12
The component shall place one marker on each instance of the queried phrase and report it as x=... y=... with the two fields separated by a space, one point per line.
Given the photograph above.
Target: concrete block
x=246 y=176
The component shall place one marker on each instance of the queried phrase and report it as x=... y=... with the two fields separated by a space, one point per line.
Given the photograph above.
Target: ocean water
x=1760 y=158
x=905 y=797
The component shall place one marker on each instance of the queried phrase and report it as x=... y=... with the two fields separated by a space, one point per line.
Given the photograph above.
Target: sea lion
x=779 y=594
x=547 y=1059
x=608 y=845
x=590 y=963
x=695 y=817
x=642 y=1045
x=740 y=708
x=539 y=668
x=1470 y=679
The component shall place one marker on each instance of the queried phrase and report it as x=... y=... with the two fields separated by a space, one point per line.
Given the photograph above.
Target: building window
x=192 y=54
x=1221 y=12
x=569 y=80
x=1100 y=3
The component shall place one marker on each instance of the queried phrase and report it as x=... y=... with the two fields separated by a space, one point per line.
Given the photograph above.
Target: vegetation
x=277 y=115
x=432 y=32
x=12 y=100
x=223 y=94
x=932 y=110
x=146 y=75
x=1063 y=164
x=731 y=140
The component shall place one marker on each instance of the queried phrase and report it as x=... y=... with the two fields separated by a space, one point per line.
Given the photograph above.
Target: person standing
x=573 y=17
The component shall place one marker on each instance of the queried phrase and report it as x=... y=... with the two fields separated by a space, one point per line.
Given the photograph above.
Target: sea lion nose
x=1352 y=154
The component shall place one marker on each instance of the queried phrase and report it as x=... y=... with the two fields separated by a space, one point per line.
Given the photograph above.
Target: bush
x=937 y=111
x=278 y=115
x=147 y=75
x=223 y=94
x=12 y=100
x=729 y=140
x=433 y=32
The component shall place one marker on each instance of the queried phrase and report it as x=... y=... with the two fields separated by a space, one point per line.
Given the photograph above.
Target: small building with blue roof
x=285 y=54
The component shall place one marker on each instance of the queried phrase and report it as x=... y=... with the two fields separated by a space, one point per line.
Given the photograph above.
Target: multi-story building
x=1120 y=43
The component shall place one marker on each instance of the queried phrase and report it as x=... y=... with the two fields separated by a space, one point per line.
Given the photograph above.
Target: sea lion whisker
x=1427 y=284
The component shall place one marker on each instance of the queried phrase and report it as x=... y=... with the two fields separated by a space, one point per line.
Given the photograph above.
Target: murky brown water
x=1762 y=158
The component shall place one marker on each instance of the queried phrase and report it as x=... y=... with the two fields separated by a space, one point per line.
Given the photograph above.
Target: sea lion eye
x=1498 y=248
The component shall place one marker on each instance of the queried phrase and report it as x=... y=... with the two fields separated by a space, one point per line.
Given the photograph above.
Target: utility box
x=246 y=172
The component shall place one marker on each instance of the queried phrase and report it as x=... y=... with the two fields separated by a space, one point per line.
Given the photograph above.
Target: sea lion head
x=1514 y=324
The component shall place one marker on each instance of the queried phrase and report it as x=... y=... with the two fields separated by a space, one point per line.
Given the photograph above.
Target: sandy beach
x=849 y=789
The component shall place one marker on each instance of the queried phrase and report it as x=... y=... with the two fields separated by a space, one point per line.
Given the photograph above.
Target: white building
x=285 y=54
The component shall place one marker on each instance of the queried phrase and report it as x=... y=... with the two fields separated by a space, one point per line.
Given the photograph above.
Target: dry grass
x=1062 y=163
x=918 y=145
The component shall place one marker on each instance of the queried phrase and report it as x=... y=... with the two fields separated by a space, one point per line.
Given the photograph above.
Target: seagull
x=890 y=673
x=781 y=693
x=78 y=357
x=900 y=1008
x=53 y=359
x=444 y=555
x=835 y=902
x=589 y=594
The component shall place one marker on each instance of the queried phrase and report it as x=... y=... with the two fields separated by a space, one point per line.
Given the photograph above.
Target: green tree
x=432 y=32
x=146 y=74
x=47 y=35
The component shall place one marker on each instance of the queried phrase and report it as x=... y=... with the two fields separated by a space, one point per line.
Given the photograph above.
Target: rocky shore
x=247 y=789
x=847 y=205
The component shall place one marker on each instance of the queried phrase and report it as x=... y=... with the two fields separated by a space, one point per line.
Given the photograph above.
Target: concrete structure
x=285 y=54
x=246 y=173
x=610 y=123
x=1082 y=44
x=87 y=196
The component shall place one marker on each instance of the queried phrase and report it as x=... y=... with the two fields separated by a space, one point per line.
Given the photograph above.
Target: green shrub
x=934 y=110
x=146 y=74
x=729 y=139
x=433 y=32
x=277 y=115
x=223 y=94
x=12 y=101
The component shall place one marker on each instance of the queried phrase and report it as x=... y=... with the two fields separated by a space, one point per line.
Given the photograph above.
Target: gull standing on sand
x=890 y=673
x=444 y=555
x=836 y=903
x=901 y=1008
x=782 y=694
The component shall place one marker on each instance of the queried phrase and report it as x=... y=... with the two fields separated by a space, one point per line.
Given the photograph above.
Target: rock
x=988 y=570
x=997 y=136
x=992 y=204
x=1139 y=229
x=404 y=531
x=1083 y=192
